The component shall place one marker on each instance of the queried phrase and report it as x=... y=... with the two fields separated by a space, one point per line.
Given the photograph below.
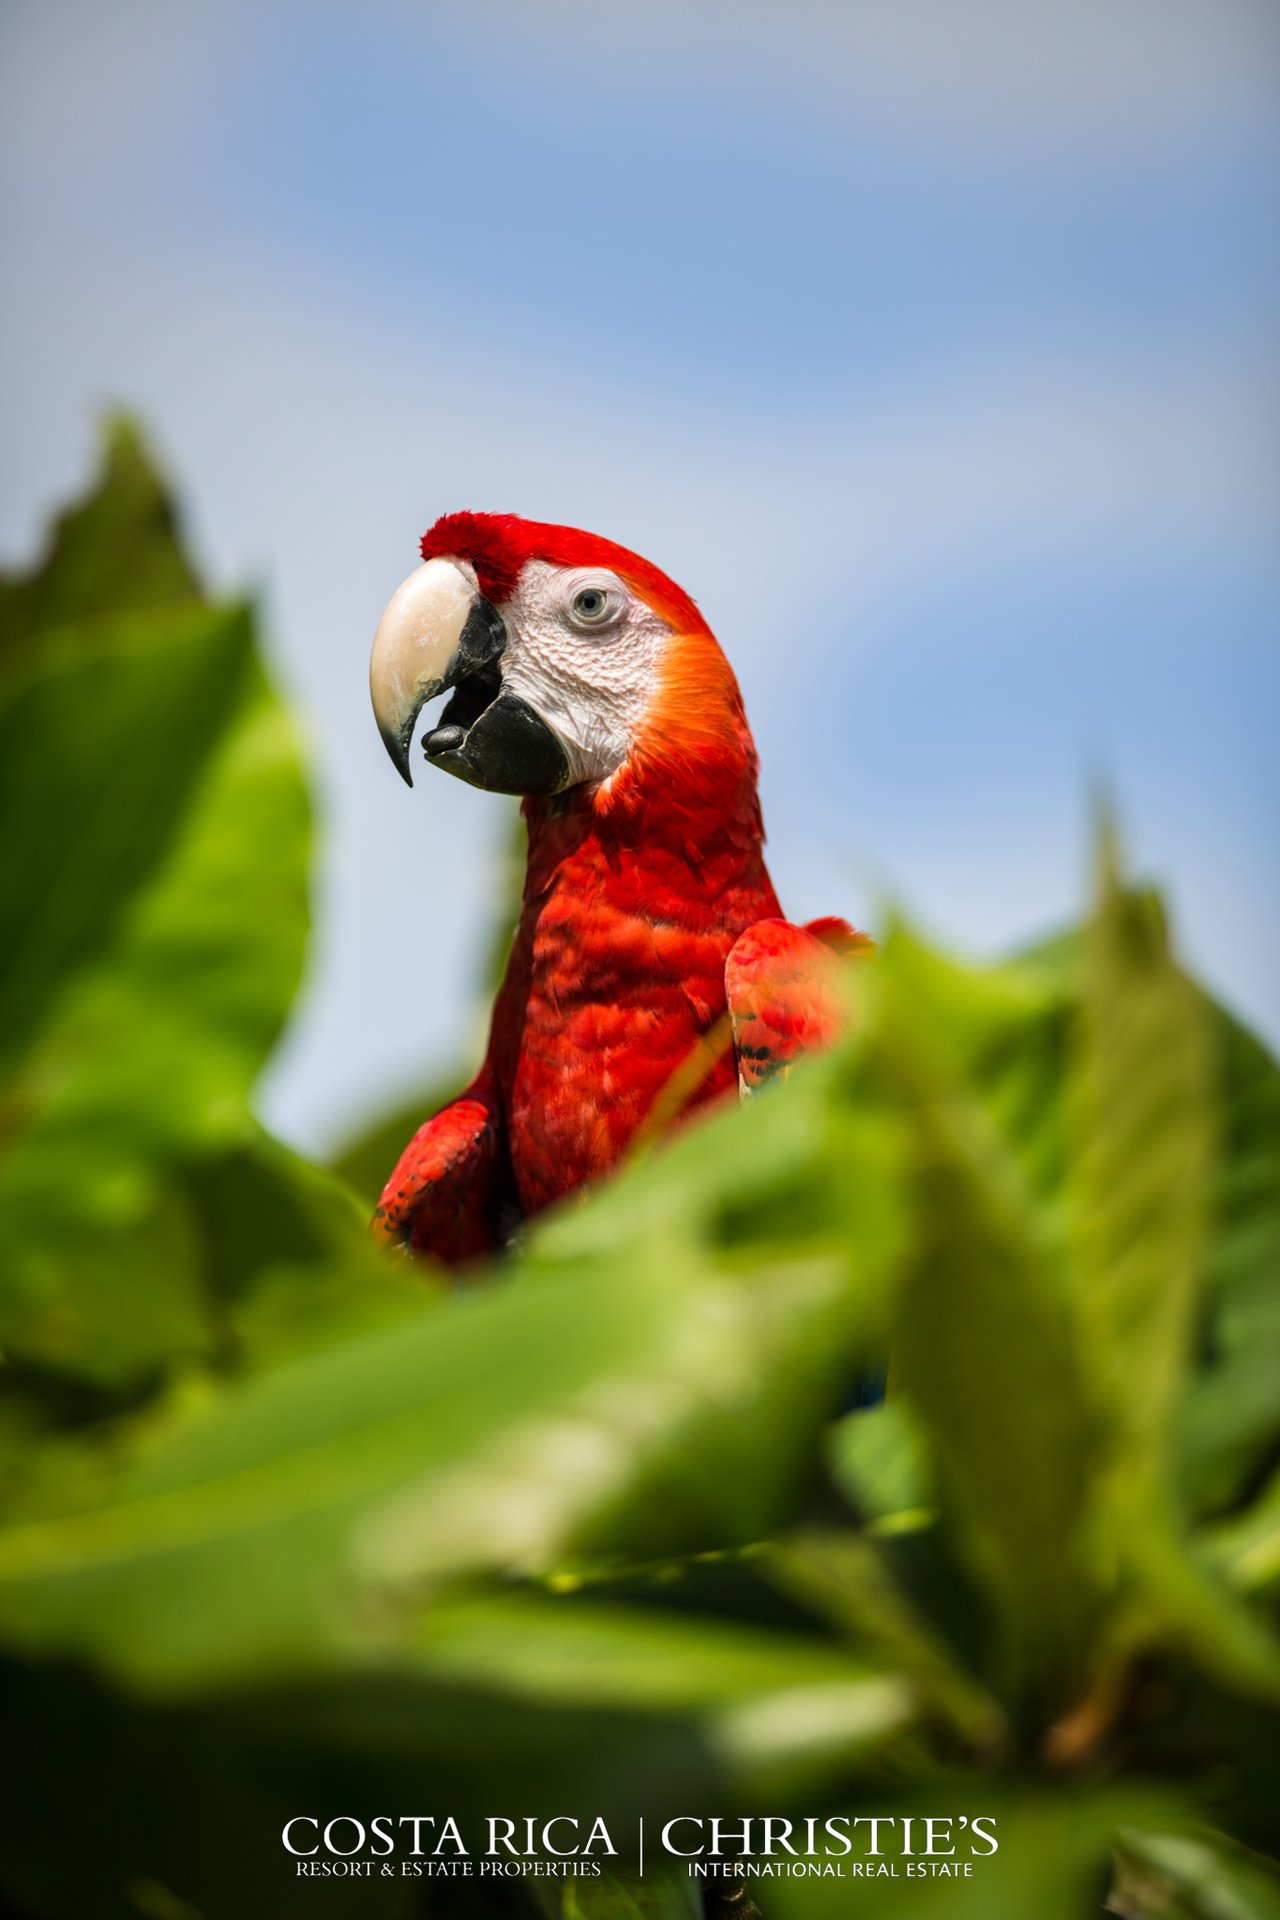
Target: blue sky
x=933 y=348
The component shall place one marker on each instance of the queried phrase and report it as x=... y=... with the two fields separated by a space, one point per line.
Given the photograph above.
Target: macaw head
x=569 y=660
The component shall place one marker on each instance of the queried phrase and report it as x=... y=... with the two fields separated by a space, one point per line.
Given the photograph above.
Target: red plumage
x=615 y=1015
x=499 y=544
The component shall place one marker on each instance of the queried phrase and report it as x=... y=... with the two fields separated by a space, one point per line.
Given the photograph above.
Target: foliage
x=289 y=1530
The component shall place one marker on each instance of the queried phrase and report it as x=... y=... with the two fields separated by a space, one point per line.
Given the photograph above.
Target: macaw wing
x=444 y=1196
x=785 y=993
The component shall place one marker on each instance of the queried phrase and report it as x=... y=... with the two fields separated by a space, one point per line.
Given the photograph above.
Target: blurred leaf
x=198 y=973
x=1228 y=1413
x=256 y=1534
x=1177 y=1597
x=591 y=1652
x=117 y=550
x=287 y=1263
x=1053 y=1861
x=1184 y=1877
x=90 y=810
x=1230 y=1417
x=1001 y=1032
x=985 y=1351
x=879 y=1457
x=1145 y=1120
x=779 y=1712
x=1246 y=1548
x=155 y=914
x=658 y=1896
x=846 y=1580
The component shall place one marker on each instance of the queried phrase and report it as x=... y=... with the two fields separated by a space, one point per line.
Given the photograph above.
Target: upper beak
x=437 y=628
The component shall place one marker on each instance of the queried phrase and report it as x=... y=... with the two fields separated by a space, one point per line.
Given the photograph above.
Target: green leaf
x=879 y=1457
x=1052 y=1863
x=781 y=1713
x=1229 y=1426
x=846 y=1580
x=1001 y=1032
x=1145 y=1126
x=1184 y=1876
x=102 y=746
x=985 y=1351
x=287 y=1264
x=496 y=1435
x=196 y=963
x=582 y=1650
x=1245 y=1549
x=1227 y=1415
x=155 y=913
x=115 y=551
x=658 y=1896
x=1177 y=1599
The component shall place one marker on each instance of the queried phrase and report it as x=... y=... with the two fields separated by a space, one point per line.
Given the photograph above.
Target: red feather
x=499 y=544
x=445 y=1194
x=785 y=995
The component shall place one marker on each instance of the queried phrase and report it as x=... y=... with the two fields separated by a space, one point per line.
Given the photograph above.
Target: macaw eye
x=593 y=607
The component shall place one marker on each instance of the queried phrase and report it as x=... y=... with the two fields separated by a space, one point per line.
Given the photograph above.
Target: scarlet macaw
x=651 y=961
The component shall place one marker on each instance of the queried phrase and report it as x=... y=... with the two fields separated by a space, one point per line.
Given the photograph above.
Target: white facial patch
x=592 y=687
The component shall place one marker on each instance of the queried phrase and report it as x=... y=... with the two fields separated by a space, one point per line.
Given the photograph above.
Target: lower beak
x=439 y=632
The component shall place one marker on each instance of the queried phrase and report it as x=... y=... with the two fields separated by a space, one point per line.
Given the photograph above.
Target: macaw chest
x=613 y=1029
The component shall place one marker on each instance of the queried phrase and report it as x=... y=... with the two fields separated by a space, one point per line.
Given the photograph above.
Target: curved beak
x=439 y=631
x=418 y=649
